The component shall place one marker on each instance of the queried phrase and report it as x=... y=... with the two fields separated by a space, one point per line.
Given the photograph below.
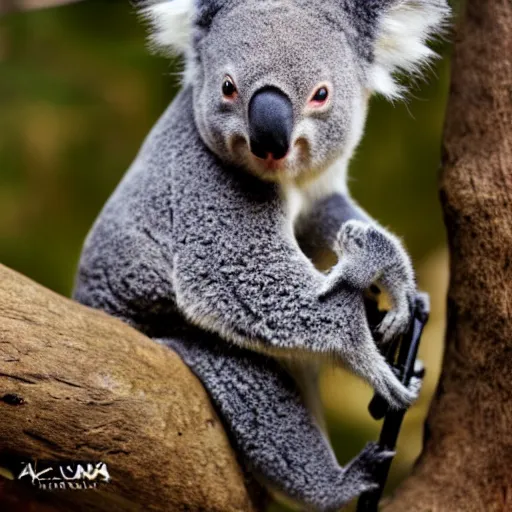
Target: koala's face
x=278 y=90
x=281 y=86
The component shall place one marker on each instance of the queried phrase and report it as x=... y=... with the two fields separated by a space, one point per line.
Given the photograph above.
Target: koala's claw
x=414 y=386
x=362 y=471
x=416 y=382
x=419 y=369
x=396 y=322
x=397 y=395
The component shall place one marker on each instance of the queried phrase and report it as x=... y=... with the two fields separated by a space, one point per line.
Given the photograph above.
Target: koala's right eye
x=229 y=88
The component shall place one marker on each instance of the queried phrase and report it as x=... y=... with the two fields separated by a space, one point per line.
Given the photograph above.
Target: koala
x=203 y=245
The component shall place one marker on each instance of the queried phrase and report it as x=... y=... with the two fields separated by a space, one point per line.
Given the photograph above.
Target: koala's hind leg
x=270 y=427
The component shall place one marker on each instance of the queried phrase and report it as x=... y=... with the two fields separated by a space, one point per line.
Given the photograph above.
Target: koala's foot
x=311 y=477
x=361 y=472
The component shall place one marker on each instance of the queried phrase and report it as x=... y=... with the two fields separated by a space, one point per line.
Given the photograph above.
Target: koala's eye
x=319 y=97
x=228 y=88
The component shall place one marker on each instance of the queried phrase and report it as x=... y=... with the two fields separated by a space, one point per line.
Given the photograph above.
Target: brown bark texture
x=467 y=460
x=76 y=384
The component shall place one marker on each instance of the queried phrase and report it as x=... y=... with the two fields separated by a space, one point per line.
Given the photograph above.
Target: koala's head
x=281 y=87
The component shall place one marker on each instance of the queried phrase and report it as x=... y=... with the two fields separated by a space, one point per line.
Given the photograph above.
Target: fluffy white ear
x=171 y=21
x=401 y=46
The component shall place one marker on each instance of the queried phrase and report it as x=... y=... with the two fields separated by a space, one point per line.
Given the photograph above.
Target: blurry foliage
x=78 y=93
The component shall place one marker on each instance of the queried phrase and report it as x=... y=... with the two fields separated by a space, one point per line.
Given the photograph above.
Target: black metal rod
x=369 y=502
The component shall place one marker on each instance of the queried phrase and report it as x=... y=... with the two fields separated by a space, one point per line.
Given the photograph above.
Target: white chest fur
x=300 y=199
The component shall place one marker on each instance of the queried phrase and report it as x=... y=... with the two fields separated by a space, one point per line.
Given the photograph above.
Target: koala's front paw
x=368 y=254
x=361 y=473
x=392 y=268
x=398 y=319
x=415 y=383
x=352 y=238
x=354 y=252
x=386 y=384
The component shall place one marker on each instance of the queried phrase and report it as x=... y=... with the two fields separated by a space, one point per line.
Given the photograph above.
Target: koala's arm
x=239 y=272
x=187 y=235
x=272 y=428
x=367 y=254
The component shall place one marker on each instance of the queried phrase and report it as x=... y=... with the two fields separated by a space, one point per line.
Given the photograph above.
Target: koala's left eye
x=319 y=97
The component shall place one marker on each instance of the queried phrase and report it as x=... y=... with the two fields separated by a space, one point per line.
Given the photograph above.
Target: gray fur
x=198 y=245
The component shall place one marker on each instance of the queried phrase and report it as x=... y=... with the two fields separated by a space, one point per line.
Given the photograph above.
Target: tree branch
x=92 y=388
x=468 y=435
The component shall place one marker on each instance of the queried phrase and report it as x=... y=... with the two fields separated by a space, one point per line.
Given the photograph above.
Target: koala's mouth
x=293 y=164
x=240 y=150
x=272 y=164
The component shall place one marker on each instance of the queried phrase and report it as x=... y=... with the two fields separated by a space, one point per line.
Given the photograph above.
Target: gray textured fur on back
x=201 y=246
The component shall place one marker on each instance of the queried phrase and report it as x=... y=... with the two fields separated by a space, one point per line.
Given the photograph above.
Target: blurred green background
x=78 y=93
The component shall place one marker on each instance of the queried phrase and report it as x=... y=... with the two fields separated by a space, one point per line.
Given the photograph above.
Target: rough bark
x=88 y=387
x=466 y=463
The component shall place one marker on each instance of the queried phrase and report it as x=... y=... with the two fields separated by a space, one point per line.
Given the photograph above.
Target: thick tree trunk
x=467 y=460
x=76 y=384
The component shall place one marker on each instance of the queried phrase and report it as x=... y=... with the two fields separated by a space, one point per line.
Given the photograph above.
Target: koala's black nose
x=270 y=123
